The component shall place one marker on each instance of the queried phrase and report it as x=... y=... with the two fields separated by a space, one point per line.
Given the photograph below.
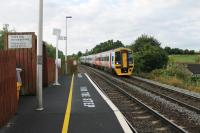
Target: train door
x=113 y=59
x=124 y=60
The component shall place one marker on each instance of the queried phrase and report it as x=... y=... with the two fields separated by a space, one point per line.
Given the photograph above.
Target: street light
x=66 y=43
x=39 y=58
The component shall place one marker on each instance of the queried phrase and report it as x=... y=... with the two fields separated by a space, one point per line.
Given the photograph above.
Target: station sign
x=62 y=38
x=56 y=32
x=19 y=41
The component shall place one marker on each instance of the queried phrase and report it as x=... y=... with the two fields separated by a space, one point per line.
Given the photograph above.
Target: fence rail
x=8 y=90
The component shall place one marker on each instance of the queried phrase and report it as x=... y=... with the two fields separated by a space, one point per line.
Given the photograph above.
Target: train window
x=117 y=58
x=130 y=57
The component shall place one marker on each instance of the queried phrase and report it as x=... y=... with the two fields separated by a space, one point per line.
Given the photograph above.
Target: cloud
x=173 y=22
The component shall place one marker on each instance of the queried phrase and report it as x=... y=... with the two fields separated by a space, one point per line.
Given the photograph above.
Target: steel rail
x=165 y=88
x=160 y=116
x=192 y=108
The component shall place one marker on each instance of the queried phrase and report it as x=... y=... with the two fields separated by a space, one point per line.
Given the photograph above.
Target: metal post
x=39 y=58
x=66 y=44
x=66 y=49
x=56 y=32
x=56 y=79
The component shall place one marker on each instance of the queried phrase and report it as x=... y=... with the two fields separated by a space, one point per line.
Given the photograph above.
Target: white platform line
x=118 y=114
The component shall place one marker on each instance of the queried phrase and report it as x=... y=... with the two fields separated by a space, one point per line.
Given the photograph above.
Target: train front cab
x=123 y=61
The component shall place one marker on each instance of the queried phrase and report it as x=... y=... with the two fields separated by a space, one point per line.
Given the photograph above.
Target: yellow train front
x=123 y=62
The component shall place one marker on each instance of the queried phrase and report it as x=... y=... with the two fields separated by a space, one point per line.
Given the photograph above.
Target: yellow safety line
x=68 y=110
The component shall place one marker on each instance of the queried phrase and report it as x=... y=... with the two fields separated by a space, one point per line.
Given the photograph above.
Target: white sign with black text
x=19 y=41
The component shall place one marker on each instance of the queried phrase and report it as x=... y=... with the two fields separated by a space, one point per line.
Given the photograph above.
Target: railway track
x=185 y=100
x=142 y=112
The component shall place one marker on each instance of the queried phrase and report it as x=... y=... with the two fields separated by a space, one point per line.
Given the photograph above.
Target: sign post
x=56 y=32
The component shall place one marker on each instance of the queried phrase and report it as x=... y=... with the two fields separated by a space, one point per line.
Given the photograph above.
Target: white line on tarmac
x=118 y=114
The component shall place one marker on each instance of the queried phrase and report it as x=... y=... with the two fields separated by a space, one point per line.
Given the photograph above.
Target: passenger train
x=119 y=61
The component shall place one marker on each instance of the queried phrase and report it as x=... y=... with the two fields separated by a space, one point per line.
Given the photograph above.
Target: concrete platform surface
x=76 y=106
x=91 y=113
x=50 y=120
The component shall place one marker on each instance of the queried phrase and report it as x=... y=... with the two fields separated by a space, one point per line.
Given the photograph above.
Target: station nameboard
x=19 y=41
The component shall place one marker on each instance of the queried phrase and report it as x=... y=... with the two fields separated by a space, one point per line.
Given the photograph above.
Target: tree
x=150 y=58
x=79 y=54
x=143 y=40
x=167 y=50
x=105 y=46
x=4 y=30
x=186 y=51
x=192 y=52
x=148 y=54
x=2 y=34
x=51 y=52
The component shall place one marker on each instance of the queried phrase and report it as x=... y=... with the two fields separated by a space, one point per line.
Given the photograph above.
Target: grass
x=176 y=75
x=178 y=83
x=185 y=58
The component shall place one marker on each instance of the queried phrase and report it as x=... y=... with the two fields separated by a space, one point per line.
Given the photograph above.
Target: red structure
x=8 y=88
x=26 y=60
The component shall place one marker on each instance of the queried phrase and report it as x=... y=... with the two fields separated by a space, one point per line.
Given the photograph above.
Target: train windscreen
x=130 y=57
x=117 y=58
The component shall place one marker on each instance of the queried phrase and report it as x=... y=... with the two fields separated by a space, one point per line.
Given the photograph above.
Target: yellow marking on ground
x=68 y=110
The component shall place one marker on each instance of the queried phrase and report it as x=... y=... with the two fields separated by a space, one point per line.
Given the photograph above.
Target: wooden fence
x=48 y=71
x=8 y=90
x=26 y=60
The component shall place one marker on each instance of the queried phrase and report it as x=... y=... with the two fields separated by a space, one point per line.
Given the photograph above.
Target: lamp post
x=39 y=58
x=66 y=43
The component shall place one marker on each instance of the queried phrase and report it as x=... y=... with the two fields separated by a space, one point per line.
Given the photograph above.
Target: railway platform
x=76 y=106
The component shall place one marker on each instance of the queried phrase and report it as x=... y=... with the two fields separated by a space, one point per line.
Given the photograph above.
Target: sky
x=175 y=23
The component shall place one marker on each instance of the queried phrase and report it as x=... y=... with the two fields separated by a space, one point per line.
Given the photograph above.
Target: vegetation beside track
x=176 y=75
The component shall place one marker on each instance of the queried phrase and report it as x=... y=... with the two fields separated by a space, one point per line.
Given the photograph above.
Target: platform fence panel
x=8 y=89
x=26 y=60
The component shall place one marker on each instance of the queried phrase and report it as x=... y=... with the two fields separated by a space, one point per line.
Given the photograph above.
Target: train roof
x=122 y=48
x=117 y=49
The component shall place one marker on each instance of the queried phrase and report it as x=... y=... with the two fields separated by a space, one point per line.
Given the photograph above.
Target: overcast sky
x=175 y=23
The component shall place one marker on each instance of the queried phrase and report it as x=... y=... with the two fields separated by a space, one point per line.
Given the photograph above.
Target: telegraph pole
x=39 y=58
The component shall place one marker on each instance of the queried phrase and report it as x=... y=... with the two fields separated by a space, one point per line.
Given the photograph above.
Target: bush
x=150 y=58
x=148 y=54
x=179 y=71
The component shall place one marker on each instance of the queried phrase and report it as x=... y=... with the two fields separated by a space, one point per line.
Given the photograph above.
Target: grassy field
x=184 y=58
